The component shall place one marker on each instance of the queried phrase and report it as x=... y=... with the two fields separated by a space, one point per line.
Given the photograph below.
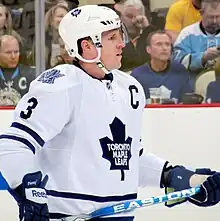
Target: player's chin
x=114 y=66
x=118 y=62
x=117 y=66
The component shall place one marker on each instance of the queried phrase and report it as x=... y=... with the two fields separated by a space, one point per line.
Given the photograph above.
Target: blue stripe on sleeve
x=20 y=139
x=28 y=130
x=100 y=199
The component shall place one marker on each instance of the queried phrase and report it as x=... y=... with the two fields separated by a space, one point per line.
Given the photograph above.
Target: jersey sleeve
x=174 y=18
x=150 y=170
x=40 y=115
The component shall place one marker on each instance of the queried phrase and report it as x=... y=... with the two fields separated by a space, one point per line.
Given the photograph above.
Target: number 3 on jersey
x=27 y=113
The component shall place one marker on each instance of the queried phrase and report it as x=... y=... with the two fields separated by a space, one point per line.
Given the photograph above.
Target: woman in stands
x=52 y=47
x=52 y=20
x=63 y=57
x=6 y=26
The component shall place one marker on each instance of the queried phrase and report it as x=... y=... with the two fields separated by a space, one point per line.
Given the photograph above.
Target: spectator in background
x=11 y=2
x=161 y=78
x=28 y=24
x=132 y=14
x=52 y=21
x=14 y=78
x=147 y=4
x=51 y=3
x=71 y=4
x=181 y=14
x=6 y=26
x=213 y=89
x=52 y=48
x=28 y=17
x=64 y=57
x=197 y=45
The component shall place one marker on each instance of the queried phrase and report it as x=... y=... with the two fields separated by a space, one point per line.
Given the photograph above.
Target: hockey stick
x=132 y=205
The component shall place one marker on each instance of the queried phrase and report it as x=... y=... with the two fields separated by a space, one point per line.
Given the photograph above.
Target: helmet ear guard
x=77 y=55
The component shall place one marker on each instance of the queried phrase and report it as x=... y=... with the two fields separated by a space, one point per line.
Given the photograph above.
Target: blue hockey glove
x=179 y=179
x=32 y=198
x=210 y=192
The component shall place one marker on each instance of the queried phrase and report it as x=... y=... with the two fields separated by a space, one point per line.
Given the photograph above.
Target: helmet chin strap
x=92 y=60
x=96 y=60
x=102 y=67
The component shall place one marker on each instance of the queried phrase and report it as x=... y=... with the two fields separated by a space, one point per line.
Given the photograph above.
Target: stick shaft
x=132 y=205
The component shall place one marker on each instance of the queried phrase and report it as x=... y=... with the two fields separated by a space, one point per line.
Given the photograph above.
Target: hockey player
x=74 y=143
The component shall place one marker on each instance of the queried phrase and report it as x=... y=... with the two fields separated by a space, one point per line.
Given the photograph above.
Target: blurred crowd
x=174 y=52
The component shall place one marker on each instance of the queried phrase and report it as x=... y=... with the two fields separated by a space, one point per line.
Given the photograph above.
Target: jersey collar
x=165 y=71
x=108 y=77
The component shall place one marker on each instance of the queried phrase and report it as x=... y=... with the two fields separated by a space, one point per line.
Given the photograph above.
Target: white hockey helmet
x=87 y=21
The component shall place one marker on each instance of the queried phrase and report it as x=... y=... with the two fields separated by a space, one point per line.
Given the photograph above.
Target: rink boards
x=188 y=136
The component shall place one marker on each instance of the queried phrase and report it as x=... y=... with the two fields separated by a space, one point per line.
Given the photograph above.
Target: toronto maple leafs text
x=120 y=153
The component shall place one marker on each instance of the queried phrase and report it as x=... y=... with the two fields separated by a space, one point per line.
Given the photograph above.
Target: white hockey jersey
x=84 y=133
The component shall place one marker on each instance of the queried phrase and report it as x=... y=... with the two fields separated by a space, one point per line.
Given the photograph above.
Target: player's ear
x=86 y=45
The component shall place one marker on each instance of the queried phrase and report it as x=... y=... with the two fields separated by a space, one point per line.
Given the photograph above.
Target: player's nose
x=121 y=44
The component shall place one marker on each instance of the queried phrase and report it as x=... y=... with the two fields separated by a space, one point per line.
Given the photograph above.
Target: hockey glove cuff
x=32 y=198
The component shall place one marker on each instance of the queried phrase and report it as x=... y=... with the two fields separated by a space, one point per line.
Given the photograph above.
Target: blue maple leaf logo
x=118 y=150
x=50 y=76
x=76 y=12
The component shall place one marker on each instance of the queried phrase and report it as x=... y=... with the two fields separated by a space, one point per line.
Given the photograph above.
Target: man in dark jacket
x=138 y=27
x=15 y=79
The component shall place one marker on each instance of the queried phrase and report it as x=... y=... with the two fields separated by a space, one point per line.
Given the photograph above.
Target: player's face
x=111 y=52
x=211 y=19
x=9 y=54
x=160 y=47
x=2 y=17
x=58 y=15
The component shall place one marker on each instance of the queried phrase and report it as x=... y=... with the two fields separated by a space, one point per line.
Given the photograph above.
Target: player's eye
x=112 y=37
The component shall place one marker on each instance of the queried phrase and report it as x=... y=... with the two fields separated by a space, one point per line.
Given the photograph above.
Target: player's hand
x=210 y=54
x=32 y=198
x=180 y=178
x=210 y=192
